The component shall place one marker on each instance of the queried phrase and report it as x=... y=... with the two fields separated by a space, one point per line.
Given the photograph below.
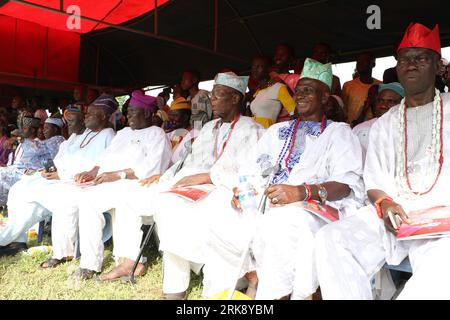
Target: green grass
x=21 y=278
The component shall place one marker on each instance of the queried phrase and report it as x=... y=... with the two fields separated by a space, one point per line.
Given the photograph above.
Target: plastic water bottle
x=36 y=250
x=33 y=232
x=246 y=195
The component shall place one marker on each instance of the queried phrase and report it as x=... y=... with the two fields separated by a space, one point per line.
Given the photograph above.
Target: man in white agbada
x=405 y=169
x=320 y=160
x=136 y=152
x=389 y=95
x=34 y=197
x=222 y=147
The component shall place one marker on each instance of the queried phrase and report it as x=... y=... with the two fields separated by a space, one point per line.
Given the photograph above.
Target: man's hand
x=235 y=203
x=107 y=177
x=235 y=200
x=393 y=213
x=150 y=180
x=50 y=175
x=86 y=176
x=285 y=194
x=201 y=178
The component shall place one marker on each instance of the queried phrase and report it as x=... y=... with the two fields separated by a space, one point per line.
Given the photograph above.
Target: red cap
x=419 y=36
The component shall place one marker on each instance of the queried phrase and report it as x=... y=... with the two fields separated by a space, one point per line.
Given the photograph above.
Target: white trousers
x=228 y=235
x=182 y=233
x=349 y=252
x=177 y=273
x=33 y=199
x=282 y=248
x=134 y=203
x=62 y=200
x=23 y=210
x=93 y=202
x=284 y=253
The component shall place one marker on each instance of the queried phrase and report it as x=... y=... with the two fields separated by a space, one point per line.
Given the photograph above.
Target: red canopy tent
x=110 y=11
x=40 y=51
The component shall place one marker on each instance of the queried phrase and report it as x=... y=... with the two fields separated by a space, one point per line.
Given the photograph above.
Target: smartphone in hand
x=50 y=166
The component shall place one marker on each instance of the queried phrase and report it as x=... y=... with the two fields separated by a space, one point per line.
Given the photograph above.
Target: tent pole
x=155 y=19
x=97 y=65
x=216 y=23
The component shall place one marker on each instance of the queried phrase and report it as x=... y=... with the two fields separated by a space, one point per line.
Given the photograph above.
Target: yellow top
x=268 y=102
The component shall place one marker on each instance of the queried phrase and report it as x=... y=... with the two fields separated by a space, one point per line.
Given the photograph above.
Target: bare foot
x=122 y=270
x=252 y=284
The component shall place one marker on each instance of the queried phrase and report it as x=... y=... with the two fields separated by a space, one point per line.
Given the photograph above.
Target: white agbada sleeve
x=197 y=160
x=73 y=159
x=238 y=157
x=237 y=154
x=379 y=170
x=345 y=161
x=201 y=158
x=345 y=165
x=146 y=151
x=157 y=154
x=333 y=156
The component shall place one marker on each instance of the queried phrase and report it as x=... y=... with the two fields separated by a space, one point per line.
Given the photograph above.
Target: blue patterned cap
x=232 y=80
x=31 y=122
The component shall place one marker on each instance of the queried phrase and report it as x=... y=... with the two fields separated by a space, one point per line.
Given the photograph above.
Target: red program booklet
x=323 y=211
x=193 y=193
x=426 y=223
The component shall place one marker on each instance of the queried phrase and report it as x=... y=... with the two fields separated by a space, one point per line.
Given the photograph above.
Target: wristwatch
x=122 y=174
x=322 y=193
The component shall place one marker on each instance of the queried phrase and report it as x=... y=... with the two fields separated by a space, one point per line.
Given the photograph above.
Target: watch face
x=323 y=194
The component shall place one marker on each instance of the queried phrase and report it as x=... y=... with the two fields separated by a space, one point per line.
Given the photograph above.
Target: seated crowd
x=93 y=158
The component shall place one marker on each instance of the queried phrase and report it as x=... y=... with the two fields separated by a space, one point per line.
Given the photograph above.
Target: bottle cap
x=242 y=179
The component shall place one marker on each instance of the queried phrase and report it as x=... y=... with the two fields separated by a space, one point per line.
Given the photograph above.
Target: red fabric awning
x=38 y=46
x=112 y=11
x=38 y=52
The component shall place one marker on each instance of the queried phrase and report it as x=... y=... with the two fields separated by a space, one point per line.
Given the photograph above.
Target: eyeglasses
x=218 y=94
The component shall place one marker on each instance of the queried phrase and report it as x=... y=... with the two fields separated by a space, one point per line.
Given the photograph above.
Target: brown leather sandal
x=52 y=263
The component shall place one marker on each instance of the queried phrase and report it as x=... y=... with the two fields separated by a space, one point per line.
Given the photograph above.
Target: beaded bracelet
x=307 y=192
